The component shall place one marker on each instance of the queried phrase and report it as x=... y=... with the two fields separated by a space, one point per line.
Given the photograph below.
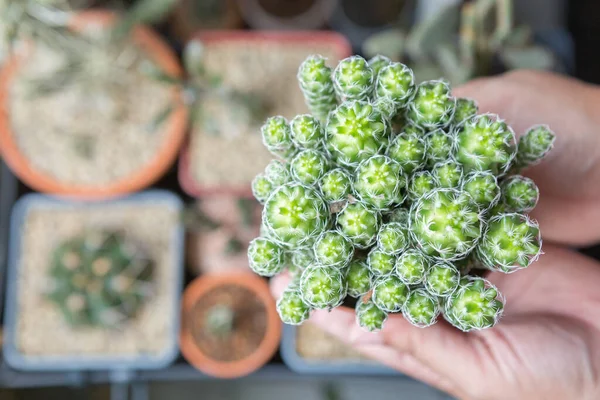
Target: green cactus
x=483 y=188
x=395 y=82
x=359 y=278
x=316 y=82
x=441 y=279
x=266 y=258
x=378 y=182
x=307 y=132
x=465 y=110
x=291 y=307
x=534 y=146
x=353 y=79
x=386 y=107
x=323 y=287
x=399 y=215
x=380 y=263
x=359 y=224
x=278 y=173
x=411 y=267
x=100 y=279
x=369 y=316
x=276 y=134
x=295 y=214
x=355 y=131
x=421 y=308
x=262 y=188
x=509 y=243
x=335 y=185
x=447 y=174
x=302 y=258
x=393 y=237
x=333 y=249
x=421 y=183
x=409 y=150
x=475 y=305
x=308 y=166
x=439 y=146
x=377 y=63
x=433 y=105
x=485 y=143
x=519 y=194
x=390 y=293
x=446 y=223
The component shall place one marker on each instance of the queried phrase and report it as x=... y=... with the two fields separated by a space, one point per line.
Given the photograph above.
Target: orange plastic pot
x=175 y=126
x=337 y=42
x=229 y=369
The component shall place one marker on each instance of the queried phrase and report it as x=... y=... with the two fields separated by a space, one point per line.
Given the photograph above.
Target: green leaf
x=534 y=57
x=160 y=118
x=424 y=38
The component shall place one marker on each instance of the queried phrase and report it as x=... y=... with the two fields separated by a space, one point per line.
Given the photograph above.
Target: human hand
x=547 y=345
x=569 y=207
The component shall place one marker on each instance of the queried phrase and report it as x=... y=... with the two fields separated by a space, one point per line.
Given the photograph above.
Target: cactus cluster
x=394 y=193
x=100 y=279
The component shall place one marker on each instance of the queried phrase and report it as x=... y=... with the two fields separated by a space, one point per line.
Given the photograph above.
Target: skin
x=547 y=345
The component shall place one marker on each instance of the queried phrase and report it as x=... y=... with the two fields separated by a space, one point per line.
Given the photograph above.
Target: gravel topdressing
x=41 y=329
x=235 y=155
x=51 y=130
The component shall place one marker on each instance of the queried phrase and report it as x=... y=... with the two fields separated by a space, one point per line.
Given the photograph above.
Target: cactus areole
x=392 y=193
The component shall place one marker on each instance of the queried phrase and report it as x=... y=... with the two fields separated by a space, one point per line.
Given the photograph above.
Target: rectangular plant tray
x=117 y=364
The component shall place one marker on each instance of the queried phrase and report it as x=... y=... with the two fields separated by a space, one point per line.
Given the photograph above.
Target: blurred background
x=132 y=127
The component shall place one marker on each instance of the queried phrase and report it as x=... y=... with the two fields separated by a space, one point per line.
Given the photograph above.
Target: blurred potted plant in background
x=287 y=14
x=463 y=41
x=72 y=113
x=189 y=16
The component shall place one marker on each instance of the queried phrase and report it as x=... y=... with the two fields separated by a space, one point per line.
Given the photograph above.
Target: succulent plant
x=317 y=86
x=395 y=200
x=100 y=279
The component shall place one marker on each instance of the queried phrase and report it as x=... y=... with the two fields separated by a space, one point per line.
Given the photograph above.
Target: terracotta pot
x=186 y=19
x=282 y=15
x=176 y=126
x=339 y=45
x=259 y=356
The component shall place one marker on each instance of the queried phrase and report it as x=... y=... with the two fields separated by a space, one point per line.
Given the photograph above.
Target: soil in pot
x=42 y=329
x=232 y=154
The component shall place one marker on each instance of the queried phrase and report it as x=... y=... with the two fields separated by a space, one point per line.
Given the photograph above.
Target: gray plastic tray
x=334 y=367
x=120 y=365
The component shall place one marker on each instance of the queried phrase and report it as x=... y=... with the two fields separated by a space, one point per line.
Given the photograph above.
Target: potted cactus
x=234 y=79
x=230 y=327
x=94 y=285
x=462 y=41
x=425 y=194
x=89 y=101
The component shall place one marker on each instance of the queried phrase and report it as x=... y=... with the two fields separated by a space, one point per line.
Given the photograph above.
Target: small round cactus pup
x=378 y=182
x=483 y=188
x=396 y=82
x=446 y=224
x=421 y=308
x=439 y=146
x=369 y=316
x=393 y=238
x=294 y=215
x=308 y=166
x=333 y=249
x=307 y=132
x=411 y=267
x=377 y=63
x=465 y=109
x=519 y=193
x=380 y=263
x=399 y=215
x=432 y=105
x=356 y=130
x=420 y=183
x=534 y=146
x=261 y=188
x=277 y=172
x=441 y=279
x=359 y=224
x=359 y=278
x=316 y=83
x=408 y=150
x=291 y=307
x=447 y=174
x=276 y=135
x=353 y=79
x=485 y=143
x=510 y=242
x=323 y=287
x=302 y=258
x=335 y=185
x=386 y=108
x=475 y=305
x=390 y=293
x=266 y=257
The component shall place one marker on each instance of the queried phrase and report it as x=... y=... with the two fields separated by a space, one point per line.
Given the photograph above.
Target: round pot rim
x=312 y=18
x=148 y=173
x=186 y=180
x=268 y=345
